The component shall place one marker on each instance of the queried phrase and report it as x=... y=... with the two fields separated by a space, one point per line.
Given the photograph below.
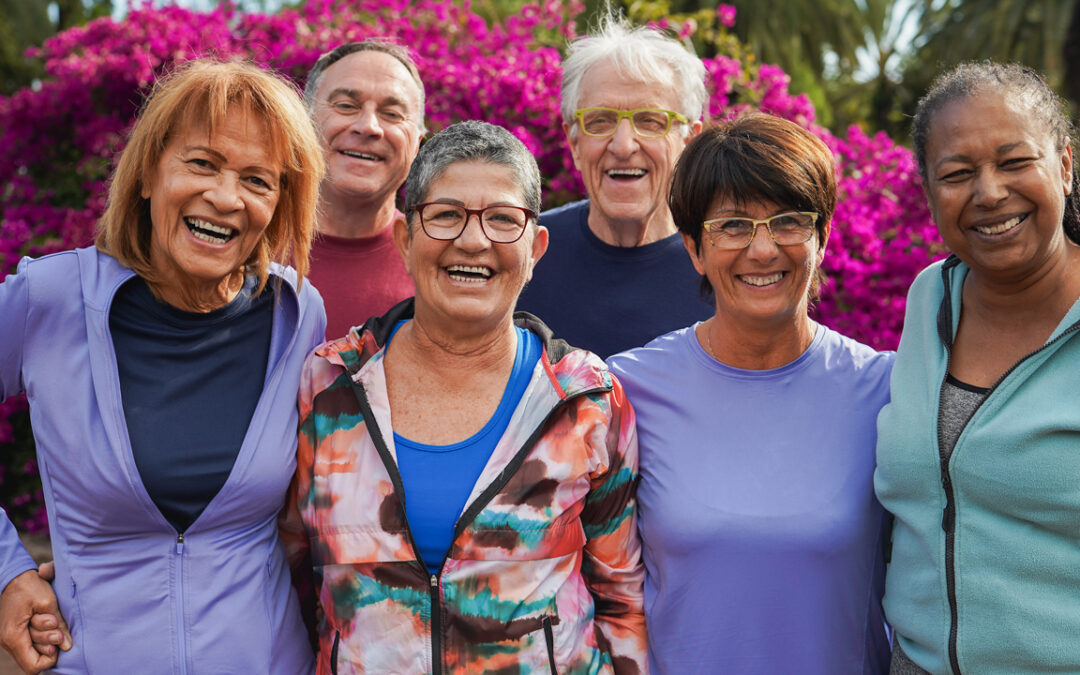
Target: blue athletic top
x=438 y=479
x=189 y=383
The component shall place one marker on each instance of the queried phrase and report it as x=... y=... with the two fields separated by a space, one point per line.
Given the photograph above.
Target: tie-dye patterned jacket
x=544 y=574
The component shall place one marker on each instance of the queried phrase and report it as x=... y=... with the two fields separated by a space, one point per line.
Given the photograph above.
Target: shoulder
x=843 y=353
x=54 y=277
x=564 y=215
x=660 y=358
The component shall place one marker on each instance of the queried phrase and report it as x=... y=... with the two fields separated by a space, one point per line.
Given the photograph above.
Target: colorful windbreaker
x=544 y=574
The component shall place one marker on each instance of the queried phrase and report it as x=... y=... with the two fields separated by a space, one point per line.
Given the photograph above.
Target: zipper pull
x=434 y=582
x=948 y=517
x=180 y=543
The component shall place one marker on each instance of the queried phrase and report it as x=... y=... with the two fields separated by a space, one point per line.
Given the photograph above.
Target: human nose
x=472 y=238
x=224 y=194
x=990 y=188
x=624 y=140
x=367 y=122
x=761 y=246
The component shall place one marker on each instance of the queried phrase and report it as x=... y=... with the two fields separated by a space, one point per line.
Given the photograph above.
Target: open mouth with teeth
x=361 y=155
x=1002 y=227
x=625 y=174
x=208 y=232
x=761 y=280
x=469 y=273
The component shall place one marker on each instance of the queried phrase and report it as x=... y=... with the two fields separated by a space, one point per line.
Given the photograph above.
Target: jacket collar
x=571 y=370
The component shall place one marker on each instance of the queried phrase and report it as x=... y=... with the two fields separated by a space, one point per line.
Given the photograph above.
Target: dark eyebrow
x=358 y=96
x=344 y=91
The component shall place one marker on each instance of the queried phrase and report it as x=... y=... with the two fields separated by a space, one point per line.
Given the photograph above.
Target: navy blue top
x=605 y=298
x=189 y=383
x=438 y=479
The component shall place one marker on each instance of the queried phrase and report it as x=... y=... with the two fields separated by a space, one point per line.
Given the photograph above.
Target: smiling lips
x=759 y=280
x=208 y=232
x=469 y=273
x=625 y=174
x=998 y=228
x=361 y=155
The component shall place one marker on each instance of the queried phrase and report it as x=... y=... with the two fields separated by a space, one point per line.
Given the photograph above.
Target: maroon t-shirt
x=357 y=278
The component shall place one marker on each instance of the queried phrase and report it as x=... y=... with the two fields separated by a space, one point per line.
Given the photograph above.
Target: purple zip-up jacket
x=137 y=597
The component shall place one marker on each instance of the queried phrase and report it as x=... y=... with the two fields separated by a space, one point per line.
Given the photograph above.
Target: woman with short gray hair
x=467 y=480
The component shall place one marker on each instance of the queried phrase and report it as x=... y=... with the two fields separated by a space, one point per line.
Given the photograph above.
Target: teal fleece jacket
x=989 y=583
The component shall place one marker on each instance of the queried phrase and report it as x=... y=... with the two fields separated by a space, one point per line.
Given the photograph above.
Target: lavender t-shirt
x=764 y=543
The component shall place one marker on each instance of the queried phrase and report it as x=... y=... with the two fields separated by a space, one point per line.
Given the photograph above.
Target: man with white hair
x=616 y=273
x=367 y=100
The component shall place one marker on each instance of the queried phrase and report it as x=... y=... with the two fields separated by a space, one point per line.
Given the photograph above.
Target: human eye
x=599 y=121
x=260 y=183
x=504 y=218
x=955 y=176
x=1017 y=162
x=344 y=106
x=200 y=163
x=392 y=115
x=651 y=121
x=442 y=214
x=790 y=222
x=730 y=227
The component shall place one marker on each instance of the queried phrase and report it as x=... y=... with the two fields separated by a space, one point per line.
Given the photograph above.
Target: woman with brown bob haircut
x=763 y=542
x=161 y=369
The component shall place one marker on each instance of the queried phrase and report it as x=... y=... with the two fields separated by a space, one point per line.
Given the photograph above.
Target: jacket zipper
x=470 y=513
x=549 y=637
x=948 y=516
x=333 y=653
x=180 y=628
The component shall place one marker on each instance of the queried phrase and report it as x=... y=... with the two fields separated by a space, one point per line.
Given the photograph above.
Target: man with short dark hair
x=367 y=100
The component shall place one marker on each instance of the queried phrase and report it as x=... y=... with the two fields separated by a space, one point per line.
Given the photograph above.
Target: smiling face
x=367 y=108
x=996 y=184
x=211 y=199
x=627 y=176
x=470 y=280
x=763 y=283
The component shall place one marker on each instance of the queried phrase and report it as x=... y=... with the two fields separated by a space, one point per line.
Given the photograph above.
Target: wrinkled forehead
x=633 y=84
x=202 y=122
x=369 y=75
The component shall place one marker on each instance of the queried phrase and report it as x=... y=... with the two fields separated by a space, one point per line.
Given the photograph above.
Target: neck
x=200 y=299
x=1047 y=294
x=456 y=353
x=353 y=218
x=757 y=345
x=630 y=233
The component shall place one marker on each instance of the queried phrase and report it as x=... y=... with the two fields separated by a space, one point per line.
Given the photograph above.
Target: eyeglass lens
x=501 y=224
x=648 y=123
x=786 y=229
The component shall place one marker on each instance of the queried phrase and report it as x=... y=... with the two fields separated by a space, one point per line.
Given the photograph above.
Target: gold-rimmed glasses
x=786 y=229
x=646 y=122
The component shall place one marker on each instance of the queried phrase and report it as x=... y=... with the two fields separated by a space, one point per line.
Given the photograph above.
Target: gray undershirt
x=958 y=403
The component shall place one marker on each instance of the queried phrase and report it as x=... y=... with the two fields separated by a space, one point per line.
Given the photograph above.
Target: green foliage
x=26 y=23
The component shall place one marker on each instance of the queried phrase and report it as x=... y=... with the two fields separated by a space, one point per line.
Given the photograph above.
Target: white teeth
x=1000 y=227
x=631 y=173
x=360 y=155
x=209 y=232
x=468 y=273
x=763 y=281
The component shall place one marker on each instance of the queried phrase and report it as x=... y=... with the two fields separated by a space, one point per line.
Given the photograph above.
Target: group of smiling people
x=459 y=490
